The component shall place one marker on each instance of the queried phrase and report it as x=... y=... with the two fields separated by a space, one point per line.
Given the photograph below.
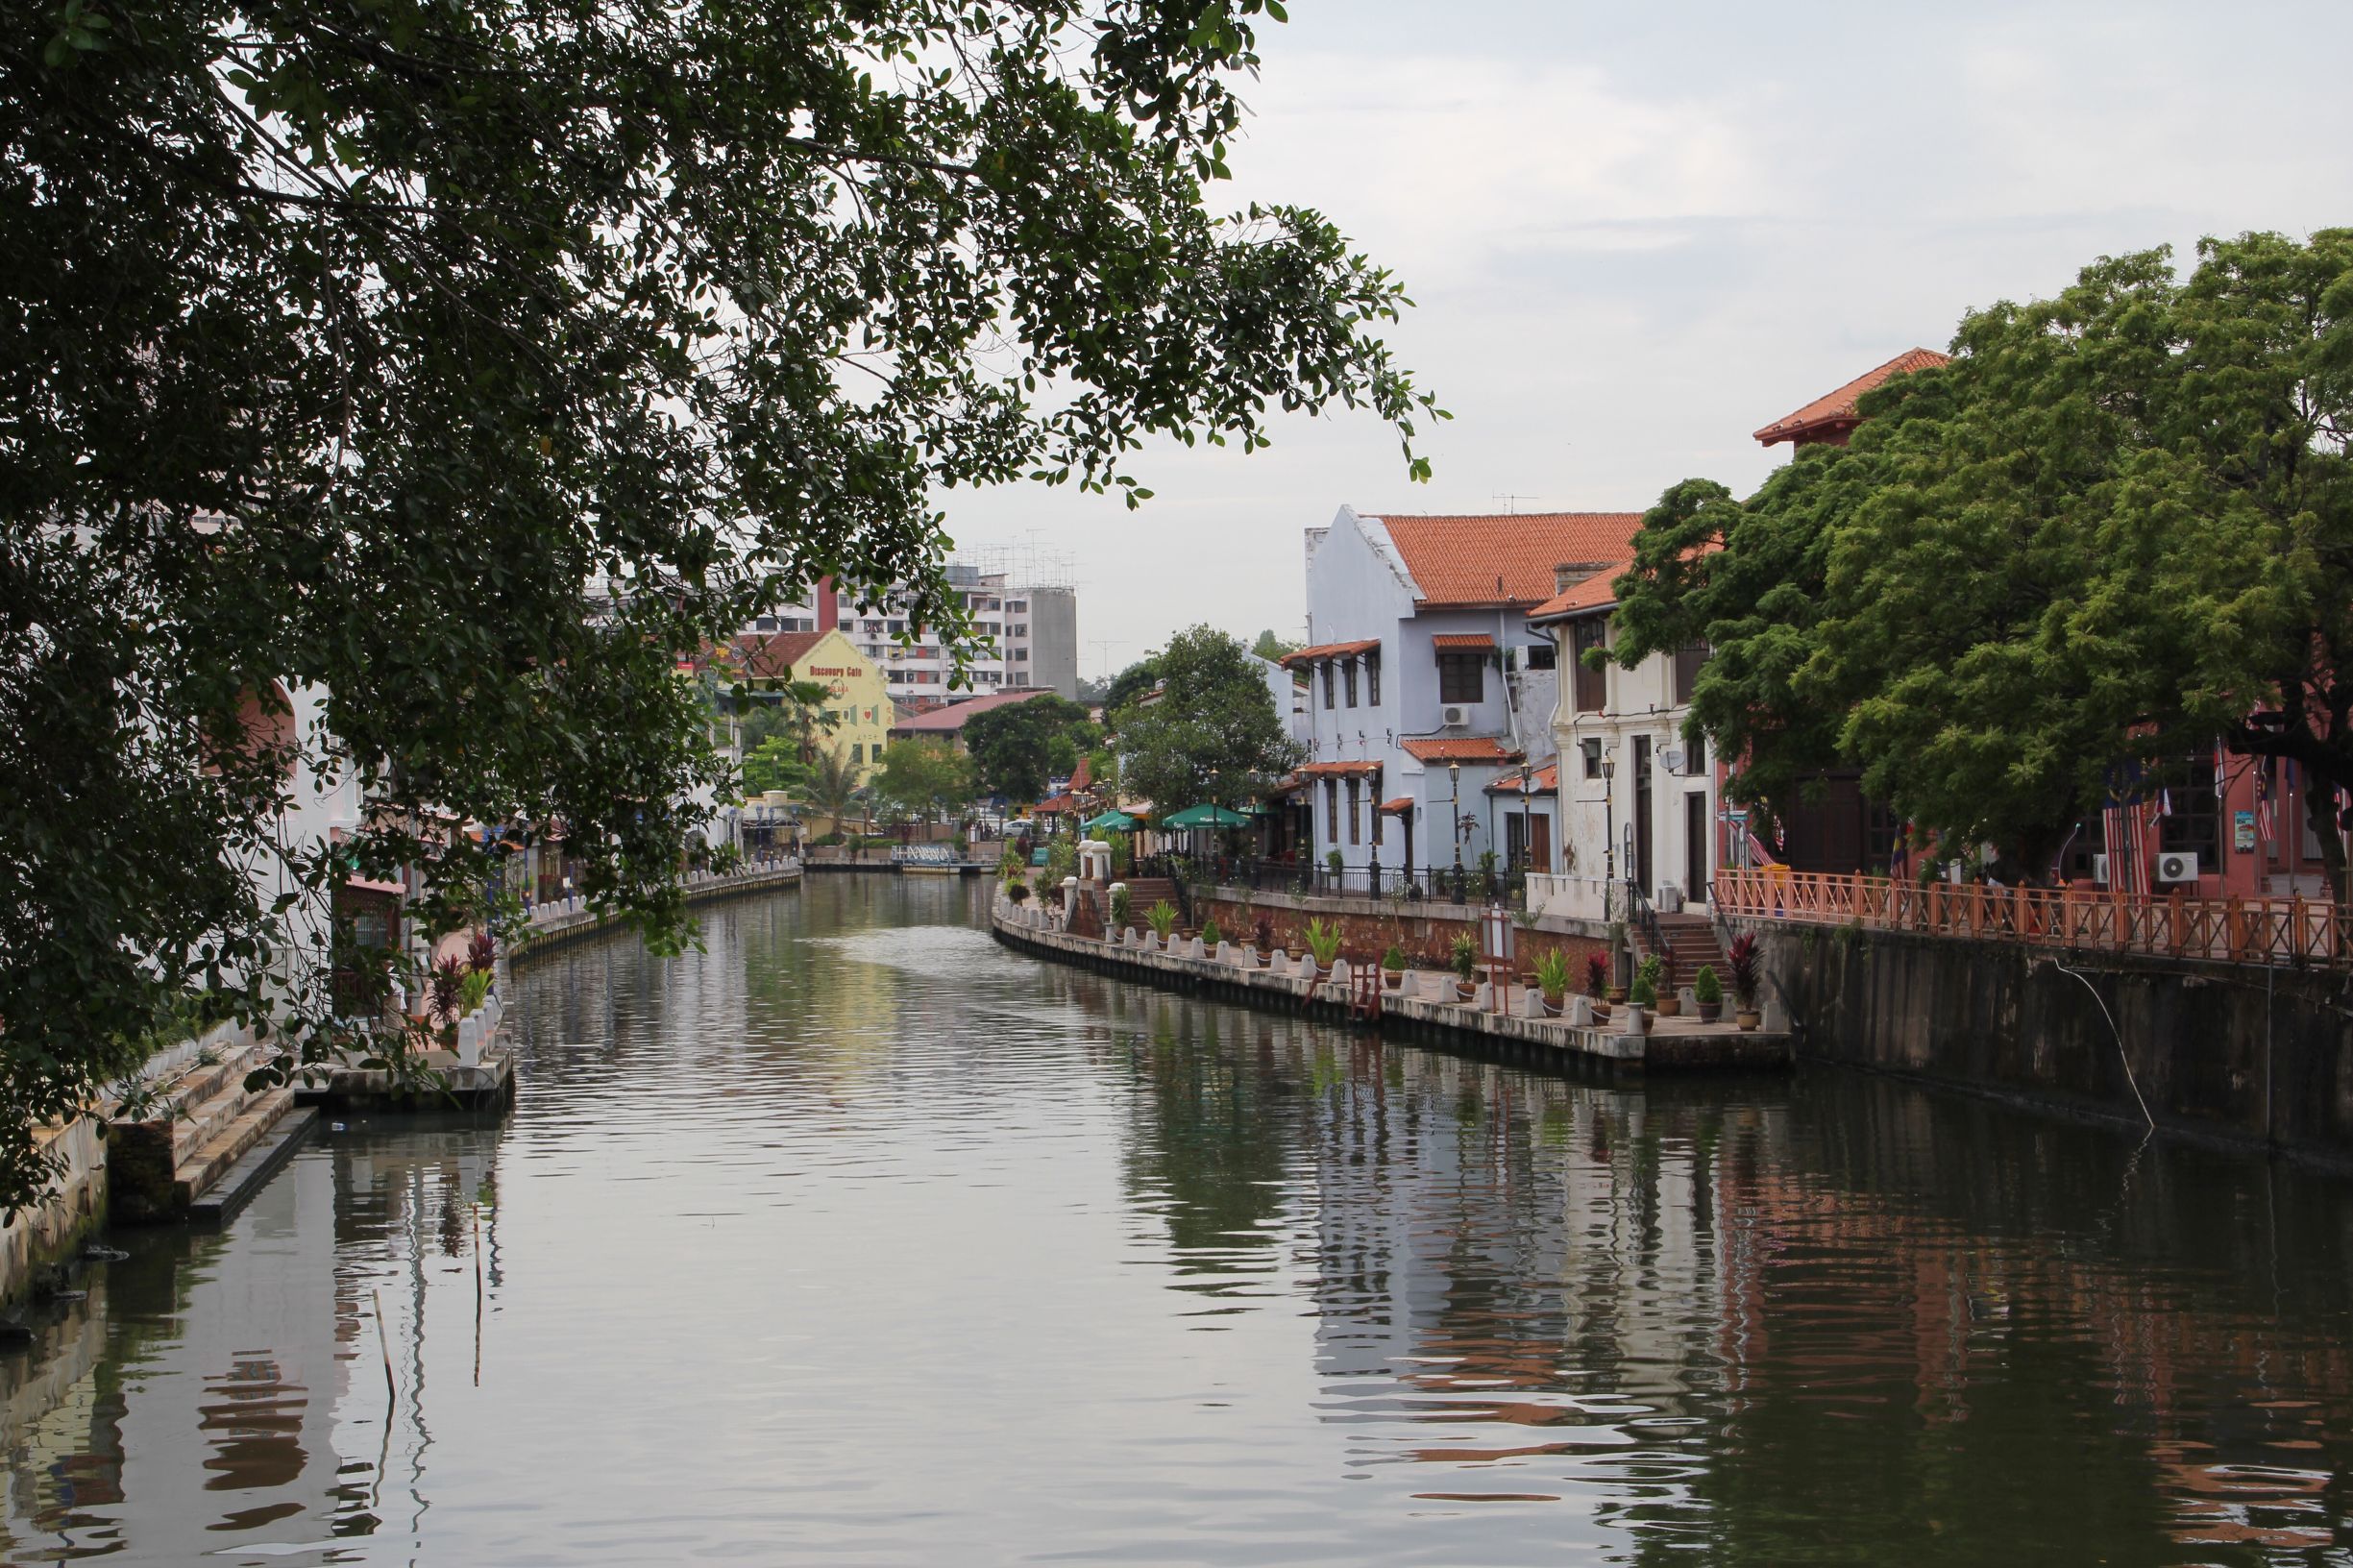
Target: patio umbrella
x=1206 y=816
x=1114 y=820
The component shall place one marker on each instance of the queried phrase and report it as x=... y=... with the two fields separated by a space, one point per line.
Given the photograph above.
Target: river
x=856 y=1238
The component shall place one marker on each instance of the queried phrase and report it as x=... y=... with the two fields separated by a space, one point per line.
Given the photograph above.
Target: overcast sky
x=1634 y=234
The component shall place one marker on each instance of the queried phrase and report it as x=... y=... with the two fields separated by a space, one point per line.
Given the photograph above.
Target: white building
x=1428 y=684
x=1637 y=801
x=1033 y=629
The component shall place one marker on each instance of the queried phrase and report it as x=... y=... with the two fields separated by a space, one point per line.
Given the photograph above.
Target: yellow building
x=858 y=695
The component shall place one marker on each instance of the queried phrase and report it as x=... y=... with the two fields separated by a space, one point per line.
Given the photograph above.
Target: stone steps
x=195 y=1175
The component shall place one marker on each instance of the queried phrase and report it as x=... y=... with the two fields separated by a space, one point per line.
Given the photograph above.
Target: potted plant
x=1708 y=992
x=1652 y=975
x=1263 y=939
x=1597 y=983
x=1210 y=937
x=1393 y=968
x=1162 y=917
x=1463 y=957
x=1018 y=892
x=1553 y=980
x=1644 y=992
x=1741 y=959
x=1323 y=940
x=1618 y=967
x=1334 y=864
x=1120 y=909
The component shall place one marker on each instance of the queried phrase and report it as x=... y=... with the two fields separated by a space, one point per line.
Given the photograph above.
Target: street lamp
x=1454 y=802
x=1610 y=827
x=1528 y=822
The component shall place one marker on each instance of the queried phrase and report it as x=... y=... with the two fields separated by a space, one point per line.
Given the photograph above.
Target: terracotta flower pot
x=1709 y=1012
x=1392 y=979
x=1668 y=1006
x=1465 y=990
x=1552 y=1007
x=1746 y=1019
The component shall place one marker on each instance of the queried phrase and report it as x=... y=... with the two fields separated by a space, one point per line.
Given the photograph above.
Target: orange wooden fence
x=2294 y=931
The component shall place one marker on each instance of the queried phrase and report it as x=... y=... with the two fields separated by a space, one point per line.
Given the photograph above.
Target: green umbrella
x=1114 y=820
x=1206 y=816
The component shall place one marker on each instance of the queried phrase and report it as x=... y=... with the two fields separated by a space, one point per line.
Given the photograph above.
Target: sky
x=1635 y=234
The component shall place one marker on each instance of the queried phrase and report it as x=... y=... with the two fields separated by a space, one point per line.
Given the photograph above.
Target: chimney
x=1569 y=573
x=828 y=606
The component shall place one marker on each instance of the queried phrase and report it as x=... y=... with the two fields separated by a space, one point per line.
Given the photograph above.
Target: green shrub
x=1394 y=958
x=1553 y=976
x=1018 y=892
x=1162 y=917
x=1211 y=936
x=1706 y=986
x=1463 y=954
x=1333 y=861
x=1644 y=992
x=1122 y=909
x=1323 y=940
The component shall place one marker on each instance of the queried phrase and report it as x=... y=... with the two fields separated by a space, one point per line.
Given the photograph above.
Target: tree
x=1273 y=648
x=1128 y=685
x=1018 y=748
x=774 y=764
x=1212 y=734
x=832 y=787
x=2116 y=529
x=925 y=778
x=467 y=362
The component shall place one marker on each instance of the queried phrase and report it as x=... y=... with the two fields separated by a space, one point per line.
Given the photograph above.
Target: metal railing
x=1421 y=884
x=2290 y=931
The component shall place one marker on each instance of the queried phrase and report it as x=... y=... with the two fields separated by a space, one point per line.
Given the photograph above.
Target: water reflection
x=857 y=1239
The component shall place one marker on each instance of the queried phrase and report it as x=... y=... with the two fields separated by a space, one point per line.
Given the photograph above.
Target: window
x=1538 y=655
x=857 y=753
x=1327 y=669
x=1687 y=661
x=766 y=623
x=1348 y=677
x=1593 y=758
x=1372 y=695
x=1356 y=808
x=2195 y=822
x=875 y=753
x=1592 y=685
x=1695 y=757
x=1375 y=803
x=1331 y=810
x=1016 y=605
x=894 y=627
x=1020 y=630
x=1462 y=678
x=1022 y=678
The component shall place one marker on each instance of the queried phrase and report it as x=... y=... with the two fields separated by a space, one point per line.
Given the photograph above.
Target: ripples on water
x=857 y=1239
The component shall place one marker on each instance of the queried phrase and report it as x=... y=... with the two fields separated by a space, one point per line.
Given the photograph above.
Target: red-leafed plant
x=1597 y=976
x=1741 y=959
x=445 y=993
x=481 y=953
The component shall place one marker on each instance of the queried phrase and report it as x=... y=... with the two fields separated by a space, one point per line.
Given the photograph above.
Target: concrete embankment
x=1517 y=1033
x=2233 y=1053
x=554 y=925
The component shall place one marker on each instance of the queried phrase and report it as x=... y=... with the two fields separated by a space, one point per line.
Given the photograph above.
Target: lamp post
x=1609 y=829
x=1528 y=820
x=1454 y=802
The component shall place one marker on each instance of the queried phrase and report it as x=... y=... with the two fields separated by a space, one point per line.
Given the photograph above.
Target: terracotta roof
x=1464 y=748
x=1064 y=805
x=950 y=720
x=771 y=658
x=1398 y=807
x=1340 y=769
x=1082 y=777
x=1833 y=412
x=1597 y=592
x=1505 y=559
x=1449 y=641
x=1329 y=650
x=1546 y=782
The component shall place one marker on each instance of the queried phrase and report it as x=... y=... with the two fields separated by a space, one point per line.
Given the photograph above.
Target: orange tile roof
x=950 y=720
x=1398 y=807
x=1546 y=782
x=1463 y=749
x=771 y=658
x=1835 y=411
x=1597 y=592
x=1329 y=650
x=1340 y=769
x=1462 y=642
x=1505 y=559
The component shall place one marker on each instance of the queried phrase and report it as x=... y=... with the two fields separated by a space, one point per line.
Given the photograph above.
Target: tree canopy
x=1212 y=734
x=927 y=778
x=1128 y=685
x=467 y=362
x=2116 y=529
x=1018 y=748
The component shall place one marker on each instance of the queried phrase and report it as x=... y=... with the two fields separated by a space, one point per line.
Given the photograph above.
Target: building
x=1638 y=802
x=1031 y=628
x=1831 y=418
x=858 y=712
x=1426 y=683
x=946 y=722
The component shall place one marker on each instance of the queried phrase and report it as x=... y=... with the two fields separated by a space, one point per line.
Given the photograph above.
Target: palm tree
x=833 y=787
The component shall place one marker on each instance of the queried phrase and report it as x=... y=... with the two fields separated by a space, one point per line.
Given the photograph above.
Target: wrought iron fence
x=1420 y=884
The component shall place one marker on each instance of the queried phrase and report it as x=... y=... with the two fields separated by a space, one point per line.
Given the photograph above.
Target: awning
x=361 y=883
x=1340 y=769
x=1331 y=651
x=1472 y=749
x=1463 y=641
x=1109 y=822
x=1206 y=816
x=1402 y=806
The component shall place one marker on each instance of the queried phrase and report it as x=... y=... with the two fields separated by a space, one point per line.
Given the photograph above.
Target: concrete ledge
x=259 y=1164
x=1668 y=1048
x=488 y=1087
x=553 y=930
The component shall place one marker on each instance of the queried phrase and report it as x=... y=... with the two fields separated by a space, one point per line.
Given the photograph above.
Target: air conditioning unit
x=1455 y=716
x=2177 y=866
x=2099 y=870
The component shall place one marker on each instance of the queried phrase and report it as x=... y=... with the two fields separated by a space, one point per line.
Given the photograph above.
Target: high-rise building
x=1028 y=621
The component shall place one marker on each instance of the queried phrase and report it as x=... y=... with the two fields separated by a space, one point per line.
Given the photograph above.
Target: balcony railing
x=1421 y=884
x=2284 y=931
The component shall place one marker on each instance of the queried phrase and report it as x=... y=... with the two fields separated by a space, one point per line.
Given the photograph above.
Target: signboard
x=2243 y=832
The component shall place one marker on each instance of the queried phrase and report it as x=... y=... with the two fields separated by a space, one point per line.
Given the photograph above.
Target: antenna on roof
x=1511 y=502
